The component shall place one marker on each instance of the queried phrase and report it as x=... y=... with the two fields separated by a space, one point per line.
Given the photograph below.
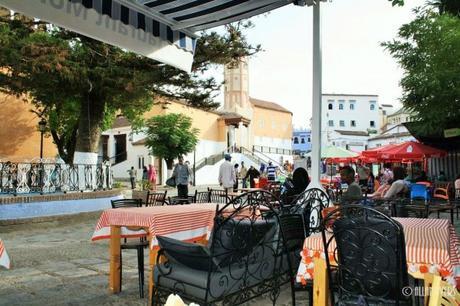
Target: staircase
x=255 y=156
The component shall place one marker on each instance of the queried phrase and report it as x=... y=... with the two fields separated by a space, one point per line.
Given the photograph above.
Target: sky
x=353 y=60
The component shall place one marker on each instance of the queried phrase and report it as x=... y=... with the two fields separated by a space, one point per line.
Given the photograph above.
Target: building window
x=352 y=123
x=372 y=123
x=372 y=106
x=296 y=140
x=274 y=125
x=384 y=112
x=309 y=140
x=352 y=106
x=302 y=140
x=342 y=123
x=329 y=106
x=140 y=162
x=340 y=106
x=262 y=124
x=331 y=122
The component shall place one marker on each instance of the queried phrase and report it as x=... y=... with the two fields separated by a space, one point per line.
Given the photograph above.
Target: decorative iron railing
x=44 y=176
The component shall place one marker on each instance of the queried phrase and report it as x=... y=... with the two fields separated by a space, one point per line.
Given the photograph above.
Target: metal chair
x=156 y=198
x=138 y=245
x=370 y=259
x=294 y=234
x=243 y=259
x=202 y=197
x=180 y=201
x=218 y=196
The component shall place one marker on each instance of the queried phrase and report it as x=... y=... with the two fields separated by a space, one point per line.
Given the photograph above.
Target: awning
x=161 y=29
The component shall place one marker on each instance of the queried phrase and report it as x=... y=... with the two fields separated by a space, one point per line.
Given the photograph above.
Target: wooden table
x=191 y=222
x=432 y=245
x=4 y=259
x=250 y=189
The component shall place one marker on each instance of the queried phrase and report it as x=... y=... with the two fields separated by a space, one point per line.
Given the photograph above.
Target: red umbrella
x=411 y=150
x=374 y=152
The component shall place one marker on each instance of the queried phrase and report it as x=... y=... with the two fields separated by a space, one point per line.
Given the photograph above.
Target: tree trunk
x=169 y=163
x=89 y=128
x=66 y=147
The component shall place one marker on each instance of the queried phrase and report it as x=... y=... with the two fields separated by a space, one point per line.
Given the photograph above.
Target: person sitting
x=353 y=193
x=442 y=176
x=422 y=177
x=381 y=191
x=457 y=187
x=399 y=186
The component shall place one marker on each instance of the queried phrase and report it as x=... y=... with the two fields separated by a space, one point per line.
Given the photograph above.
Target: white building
x=394 y=131
x=394 y=135
x=349 y=120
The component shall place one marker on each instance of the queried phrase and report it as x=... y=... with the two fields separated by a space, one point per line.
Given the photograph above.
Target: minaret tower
x=237 y=89
x=237 y=104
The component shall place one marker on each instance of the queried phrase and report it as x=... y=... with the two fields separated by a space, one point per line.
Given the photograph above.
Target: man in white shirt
x=227 y=175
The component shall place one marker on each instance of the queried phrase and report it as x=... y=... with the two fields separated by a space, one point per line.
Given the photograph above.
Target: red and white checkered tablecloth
x=182 y=222
x=432 y=245
x=4 y=259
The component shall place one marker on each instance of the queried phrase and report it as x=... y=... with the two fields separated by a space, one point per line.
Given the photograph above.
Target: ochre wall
x=211 y=128
x=276 y=124
x=19 y=135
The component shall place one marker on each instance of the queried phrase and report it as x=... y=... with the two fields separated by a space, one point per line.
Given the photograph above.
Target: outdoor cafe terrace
x=182 y=242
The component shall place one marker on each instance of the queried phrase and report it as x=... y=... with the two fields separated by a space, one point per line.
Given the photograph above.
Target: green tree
x=170 y=136
x=79 y=84
x=428 y=49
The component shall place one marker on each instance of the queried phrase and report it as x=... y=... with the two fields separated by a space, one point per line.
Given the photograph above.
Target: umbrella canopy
x=374 y=152
x=159 y=29
x=337 y=154
x=411 y=150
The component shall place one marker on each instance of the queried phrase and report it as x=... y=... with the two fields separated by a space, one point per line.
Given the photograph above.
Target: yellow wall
x=19 y=135
x=211 y=128
x=275 y=124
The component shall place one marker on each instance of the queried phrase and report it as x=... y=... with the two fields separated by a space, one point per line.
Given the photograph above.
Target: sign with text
x=117 y=25
x=452 y=132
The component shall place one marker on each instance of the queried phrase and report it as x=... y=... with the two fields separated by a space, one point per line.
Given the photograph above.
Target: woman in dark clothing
x=252 y=174
x=295 y=186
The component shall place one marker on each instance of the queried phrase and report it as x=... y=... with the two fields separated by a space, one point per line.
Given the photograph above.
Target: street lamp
x=42 y=128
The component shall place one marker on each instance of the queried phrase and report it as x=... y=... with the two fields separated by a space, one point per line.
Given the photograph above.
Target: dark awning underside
x=160 y=29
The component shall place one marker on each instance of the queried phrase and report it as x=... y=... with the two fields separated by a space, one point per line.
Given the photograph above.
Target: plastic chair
x=419 y=191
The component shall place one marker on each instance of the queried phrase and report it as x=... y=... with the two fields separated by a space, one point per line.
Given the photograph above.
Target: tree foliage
x=428 y=49
x=80 y=84
x=170 y=136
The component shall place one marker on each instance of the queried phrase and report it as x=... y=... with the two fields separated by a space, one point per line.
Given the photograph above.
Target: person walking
x=181 y=174
x=271 y=172
x=235 y=185
x=243 y=172
x=132 y=177
x=227 y=176
x=252 y=174
x=152 y=176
